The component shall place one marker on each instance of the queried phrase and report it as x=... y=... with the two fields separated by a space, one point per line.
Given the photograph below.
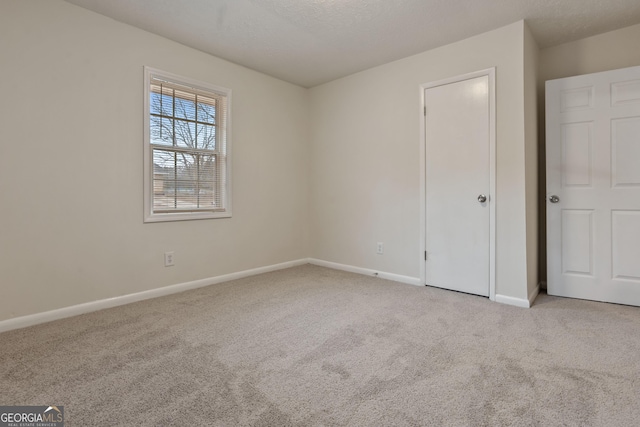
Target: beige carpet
x=310 y=346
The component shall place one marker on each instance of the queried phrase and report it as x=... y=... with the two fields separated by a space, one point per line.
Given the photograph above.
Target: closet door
x=458 y=195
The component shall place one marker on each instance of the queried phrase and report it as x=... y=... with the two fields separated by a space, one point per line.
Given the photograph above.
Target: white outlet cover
x=168 y=259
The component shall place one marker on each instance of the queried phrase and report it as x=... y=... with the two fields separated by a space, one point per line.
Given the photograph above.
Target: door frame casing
x=491 y=74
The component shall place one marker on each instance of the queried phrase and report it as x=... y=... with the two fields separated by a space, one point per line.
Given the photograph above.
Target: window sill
x=186 y=216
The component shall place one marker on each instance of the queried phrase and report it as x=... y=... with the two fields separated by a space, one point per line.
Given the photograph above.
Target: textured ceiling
x=309 y=42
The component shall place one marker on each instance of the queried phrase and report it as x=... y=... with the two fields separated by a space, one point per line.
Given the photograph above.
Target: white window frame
x=223 y=133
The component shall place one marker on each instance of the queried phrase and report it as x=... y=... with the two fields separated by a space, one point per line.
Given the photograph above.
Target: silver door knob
x=482 y=198
x=554 y=199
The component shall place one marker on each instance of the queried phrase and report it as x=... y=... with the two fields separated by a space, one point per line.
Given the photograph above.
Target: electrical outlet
x=168 y=259
x=380 y=248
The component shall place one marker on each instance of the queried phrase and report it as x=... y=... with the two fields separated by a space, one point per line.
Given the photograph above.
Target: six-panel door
x=593 y=170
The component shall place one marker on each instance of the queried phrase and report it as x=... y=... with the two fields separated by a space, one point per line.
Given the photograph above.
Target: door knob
x=482 y=198
x=554 y=199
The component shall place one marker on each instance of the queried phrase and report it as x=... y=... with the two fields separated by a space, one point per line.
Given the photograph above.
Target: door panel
x=625 y=152
x=457 y=173
x=593 y=167
x=577 y=242
x=576 y=155
x=625 y=226
x=625 y=92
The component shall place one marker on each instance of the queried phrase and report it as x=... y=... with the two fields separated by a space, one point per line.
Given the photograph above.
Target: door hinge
x=425 y=255
x=425 y=110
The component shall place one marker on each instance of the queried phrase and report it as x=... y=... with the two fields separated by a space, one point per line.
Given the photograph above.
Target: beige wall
x=365 y=146
x=71 y=117
x=608 y=51
x=531 y=62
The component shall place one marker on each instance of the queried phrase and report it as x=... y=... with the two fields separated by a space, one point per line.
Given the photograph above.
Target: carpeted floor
x=310 y=346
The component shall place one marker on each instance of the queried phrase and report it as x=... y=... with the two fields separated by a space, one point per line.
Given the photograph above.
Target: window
x=187 y=149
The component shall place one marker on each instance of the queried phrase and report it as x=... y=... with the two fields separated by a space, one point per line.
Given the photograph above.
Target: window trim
x=225 y=128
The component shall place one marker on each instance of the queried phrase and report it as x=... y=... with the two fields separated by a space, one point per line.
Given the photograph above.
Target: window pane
x=206 y=110
x=206 y=137
x=155 y=103
x=163 y=179
x=206 y=199
x=185 y=134
x=206 y=170
x=185 y=105
x=186 y=190
x=207 y=177
x=194 y=167
x=161 y=131
x=187 y=166
x=164 y=201
x=163 y=163
x=161 y=104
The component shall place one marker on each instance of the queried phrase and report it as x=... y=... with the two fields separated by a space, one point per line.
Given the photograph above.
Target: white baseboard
x=74 y=310
x=519 y=302
x=534 y=294
x=367 y=272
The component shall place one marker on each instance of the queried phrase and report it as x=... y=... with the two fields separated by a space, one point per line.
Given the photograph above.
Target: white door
x=457 y=132
x=593 y=186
